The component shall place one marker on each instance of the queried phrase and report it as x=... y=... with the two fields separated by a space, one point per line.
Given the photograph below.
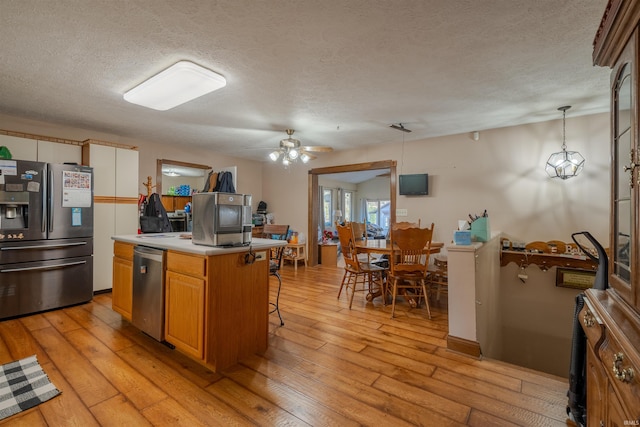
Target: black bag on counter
x=154 y=218
x=151 y=224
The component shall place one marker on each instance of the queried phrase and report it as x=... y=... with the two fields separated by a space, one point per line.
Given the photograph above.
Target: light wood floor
x=328 y=366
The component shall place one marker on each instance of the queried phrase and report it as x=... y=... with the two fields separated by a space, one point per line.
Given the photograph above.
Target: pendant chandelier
x=564 y=164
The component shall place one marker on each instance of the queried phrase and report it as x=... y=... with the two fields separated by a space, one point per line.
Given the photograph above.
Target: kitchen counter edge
x=174 y=242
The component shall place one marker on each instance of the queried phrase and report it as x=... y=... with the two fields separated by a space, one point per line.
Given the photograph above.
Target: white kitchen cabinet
x=20 y=148
x=54 y=152
x=115 y=189
x=102 y=158
x=126 y=178
x=41 y=151
x=110 y=219
x=104 y=218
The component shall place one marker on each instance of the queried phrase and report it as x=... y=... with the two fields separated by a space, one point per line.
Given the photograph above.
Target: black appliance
x=577 y=393
x=46 y=236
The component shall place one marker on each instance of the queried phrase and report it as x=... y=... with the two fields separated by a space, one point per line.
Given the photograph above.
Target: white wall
x=503 y=172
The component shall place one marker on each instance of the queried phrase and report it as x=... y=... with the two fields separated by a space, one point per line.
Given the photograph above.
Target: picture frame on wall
x=575 y=278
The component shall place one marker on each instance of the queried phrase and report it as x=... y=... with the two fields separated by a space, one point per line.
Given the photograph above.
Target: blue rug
x=23 y=385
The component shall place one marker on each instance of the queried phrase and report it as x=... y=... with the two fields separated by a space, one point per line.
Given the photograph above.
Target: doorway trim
x=314 y=198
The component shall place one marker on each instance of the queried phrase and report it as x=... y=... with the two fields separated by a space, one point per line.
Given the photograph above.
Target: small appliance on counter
x=221 y=219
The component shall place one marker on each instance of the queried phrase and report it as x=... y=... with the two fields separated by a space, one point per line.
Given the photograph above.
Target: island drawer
x=191 y=265
x=123 y=250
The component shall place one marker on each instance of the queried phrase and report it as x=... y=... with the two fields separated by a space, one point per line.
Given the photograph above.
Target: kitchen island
x=216 y=300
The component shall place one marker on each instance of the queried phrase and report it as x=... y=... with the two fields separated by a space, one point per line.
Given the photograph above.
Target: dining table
x=383 y=247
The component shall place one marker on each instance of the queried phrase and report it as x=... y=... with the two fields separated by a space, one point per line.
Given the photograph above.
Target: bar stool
x=276 y=232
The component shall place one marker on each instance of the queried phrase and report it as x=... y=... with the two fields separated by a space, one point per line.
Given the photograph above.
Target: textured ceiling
x=337 y=71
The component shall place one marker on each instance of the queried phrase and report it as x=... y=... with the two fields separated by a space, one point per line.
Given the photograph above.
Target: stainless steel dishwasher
x=148 y=291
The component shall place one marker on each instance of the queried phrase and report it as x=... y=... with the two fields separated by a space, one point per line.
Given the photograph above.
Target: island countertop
x=177 y=241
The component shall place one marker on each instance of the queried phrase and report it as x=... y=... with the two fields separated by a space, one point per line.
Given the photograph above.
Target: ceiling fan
x=290 y=150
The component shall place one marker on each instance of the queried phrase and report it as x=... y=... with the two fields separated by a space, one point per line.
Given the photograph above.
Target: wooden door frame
x=314 y=199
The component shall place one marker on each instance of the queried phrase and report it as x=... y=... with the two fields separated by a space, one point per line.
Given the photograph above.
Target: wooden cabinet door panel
x=122 y=291
x=596 y=386
x=184 y=313
x=615 y=413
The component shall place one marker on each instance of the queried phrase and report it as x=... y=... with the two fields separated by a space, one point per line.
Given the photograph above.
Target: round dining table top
x=383 y=246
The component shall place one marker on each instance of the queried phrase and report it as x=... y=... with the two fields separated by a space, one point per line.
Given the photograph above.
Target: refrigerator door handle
x=44 y=267
x=61 y=245
x=45 y=195
x=51 y=196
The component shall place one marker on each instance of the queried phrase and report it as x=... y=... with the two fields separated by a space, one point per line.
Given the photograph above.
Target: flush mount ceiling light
x=180 y=83
x=564 y=164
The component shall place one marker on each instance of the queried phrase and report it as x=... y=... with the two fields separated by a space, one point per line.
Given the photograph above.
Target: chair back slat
x=412 y=246
x=275 y=232
x=359 y=230
x=348 y=247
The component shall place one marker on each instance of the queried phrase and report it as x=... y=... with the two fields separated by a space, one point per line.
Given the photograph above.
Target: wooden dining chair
x=439 y=275
x=356 y=273
x=276 y=232
x=360 y=234
x=409 y=264
x=405 y=224
x=359 y=230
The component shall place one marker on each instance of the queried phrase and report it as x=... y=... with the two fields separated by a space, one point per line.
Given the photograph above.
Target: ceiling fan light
x=285 y=161
x=305 y=158
x=180 y=83
x=274 y=155
x=293 y=154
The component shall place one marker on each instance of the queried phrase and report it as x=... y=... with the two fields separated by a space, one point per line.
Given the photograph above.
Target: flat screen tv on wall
x=414 y=184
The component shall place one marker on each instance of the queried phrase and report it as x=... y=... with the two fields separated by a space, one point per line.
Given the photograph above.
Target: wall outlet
x=262 y=255
x=401 y=212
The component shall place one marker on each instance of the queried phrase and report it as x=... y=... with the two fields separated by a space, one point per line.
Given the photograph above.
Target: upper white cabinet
x=115 y=170
x=20 y=148
x=54 y=152
x=127 y=173
x=102 y=158
x=41 y=151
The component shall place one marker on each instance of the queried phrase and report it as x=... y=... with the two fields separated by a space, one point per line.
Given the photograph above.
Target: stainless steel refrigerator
x=46 y=236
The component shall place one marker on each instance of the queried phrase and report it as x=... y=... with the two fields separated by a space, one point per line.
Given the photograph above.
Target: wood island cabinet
x=216 y=306
x=611 y=318
x=122 y=290
x=185 y=286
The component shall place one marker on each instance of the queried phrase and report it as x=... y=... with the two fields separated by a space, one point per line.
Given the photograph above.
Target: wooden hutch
x=611 y=317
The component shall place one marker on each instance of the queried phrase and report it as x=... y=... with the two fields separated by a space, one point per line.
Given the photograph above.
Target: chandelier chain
x=564 y=131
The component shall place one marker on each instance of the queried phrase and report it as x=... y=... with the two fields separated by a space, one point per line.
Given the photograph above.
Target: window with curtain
x=348 y=205
x=378 y=212
x=327 y=208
